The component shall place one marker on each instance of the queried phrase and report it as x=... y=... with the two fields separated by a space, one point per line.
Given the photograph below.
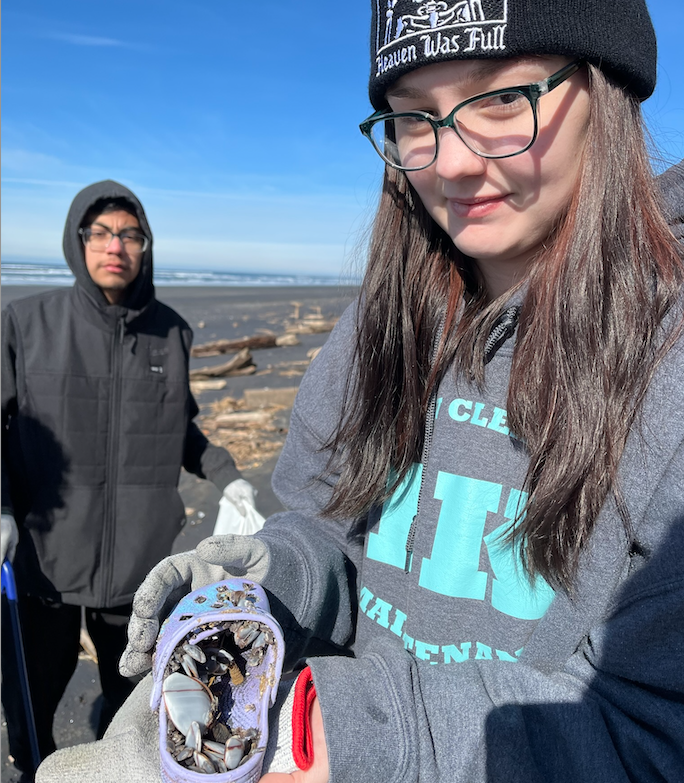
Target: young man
x=97 y=420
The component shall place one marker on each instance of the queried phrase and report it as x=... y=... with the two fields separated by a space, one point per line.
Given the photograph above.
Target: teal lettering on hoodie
x=456 y=653
x=458 y=410
x=484 y=652
x=471 y=412
x=427 y=652
x=364 y=598
x=388 y=545
x=383 y=613
x=380 y=612
x=513 y=592
x=453 y=567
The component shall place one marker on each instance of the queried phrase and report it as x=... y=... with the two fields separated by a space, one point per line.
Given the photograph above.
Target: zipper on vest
x=111 y=467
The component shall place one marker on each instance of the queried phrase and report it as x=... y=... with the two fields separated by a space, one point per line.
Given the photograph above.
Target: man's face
x=115 y=267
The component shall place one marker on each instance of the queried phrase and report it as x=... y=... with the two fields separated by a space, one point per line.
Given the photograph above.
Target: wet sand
x=232 y=313
x=186 y=298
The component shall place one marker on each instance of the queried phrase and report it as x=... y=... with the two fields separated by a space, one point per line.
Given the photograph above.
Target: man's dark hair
x=104 y=206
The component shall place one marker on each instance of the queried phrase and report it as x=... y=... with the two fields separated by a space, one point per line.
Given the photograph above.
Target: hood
x=671 y=184
x=141 y=290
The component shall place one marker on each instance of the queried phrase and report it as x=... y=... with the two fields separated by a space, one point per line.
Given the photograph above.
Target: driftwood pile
x=313 y=323
x=243 y=362
x=217 y=347
x=253 y=428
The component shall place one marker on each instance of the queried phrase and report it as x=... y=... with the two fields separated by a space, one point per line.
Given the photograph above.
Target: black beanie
x=616 y=35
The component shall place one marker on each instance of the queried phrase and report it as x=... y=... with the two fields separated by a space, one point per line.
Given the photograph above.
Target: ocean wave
x=14 y=273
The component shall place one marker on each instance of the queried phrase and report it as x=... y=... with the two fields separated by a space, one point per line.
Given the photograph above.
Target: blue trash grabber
x=9 y=587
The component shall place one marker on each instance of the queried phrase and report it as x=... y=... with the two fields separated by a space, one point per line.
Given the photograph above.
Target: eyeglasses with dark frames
x=497 y=124
x=98 y=238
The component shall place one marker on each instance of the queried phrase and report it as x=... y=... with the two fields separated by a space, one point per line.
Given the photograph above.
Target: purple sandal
x=216 y=671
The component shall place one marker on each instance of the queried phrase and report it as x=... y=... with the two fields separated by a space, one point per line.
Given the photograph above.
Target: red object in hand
x=302 y=742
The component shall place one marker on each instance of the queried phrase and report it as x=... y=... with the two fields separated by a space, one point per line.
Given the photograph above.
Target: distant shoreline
x=59 y=275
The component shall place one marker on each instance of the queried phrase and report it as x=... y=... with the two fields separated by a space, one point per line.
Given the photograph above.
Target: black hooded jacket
x=97 y=421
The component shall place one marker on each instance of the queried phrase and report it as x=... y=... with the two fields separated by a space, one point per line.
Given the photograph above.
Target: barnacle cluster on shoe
x=204 y=673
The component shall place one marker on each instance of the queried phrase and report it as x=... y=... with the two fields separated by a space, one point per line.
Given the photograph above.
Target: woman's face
x=498 y=211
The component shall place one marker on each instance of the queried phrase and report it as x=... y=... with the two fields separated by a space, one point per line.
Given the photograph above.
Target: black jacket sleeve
x=9 y=399
x=206 y=460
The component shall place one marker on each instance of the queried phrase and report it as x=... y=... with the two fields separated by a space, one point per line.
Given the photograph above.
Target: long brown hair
x=613 y=245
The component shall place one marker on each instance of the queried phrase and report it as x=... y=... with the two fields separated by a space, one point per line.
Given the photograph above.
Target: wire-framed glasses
x=98 y=238
x=497 y=124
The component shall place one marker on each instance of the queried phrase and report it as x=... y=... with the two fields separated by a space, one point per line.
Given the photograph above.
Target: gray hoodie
x=463 y=670
x=672 y=186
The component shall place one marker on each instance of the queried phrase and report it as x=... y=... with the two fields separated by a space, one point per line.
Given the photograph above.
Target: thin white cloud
x=17 y=159
x=24 y=161
x=91 y=40
x=85 y=40
x=43 y=182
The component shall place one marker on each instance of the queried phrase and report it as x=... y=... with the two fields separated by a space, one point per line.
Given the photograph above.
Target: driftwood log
x=239 y=419
x=309 y=325
x=241 y=364
x=217 y=347
x=208 y=384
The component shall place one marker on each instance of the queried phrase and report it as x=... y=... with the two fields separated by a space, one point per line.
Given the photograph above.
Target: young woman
x=485 y=467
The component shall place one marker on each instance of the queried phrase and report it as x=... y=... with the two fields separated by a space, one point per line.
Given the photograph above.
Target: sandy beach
x=229 y=314
x=265 y=394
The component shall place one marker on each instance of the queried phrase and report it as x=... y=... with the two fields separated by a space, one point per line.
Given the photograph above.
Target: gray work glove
x=9 y=537
x=215 y=559
x=129 y=750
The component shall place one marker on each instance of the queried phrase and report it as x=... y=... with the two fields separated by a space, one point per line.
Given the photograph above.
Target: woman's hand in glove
x=129 y=751
x=319 y=771
x=215 y=559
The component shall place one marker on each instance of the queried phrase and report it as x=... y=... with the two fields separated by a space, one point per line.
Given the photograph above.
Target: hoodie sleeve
x=612 y=712
x=312 y=583
x=672 y=187
x=203 y=458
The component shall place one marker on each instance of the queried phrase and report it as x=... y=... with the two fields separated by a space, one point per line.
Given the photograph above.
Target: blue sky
x=235 y=123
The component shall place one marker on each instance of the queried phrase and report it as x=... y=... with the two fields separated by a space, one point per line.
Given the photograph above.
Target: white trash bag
x=237 y=512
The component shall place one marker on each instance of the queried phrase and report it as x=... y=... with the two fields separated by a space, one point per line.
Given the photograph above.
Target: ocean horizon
x=59 y=274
